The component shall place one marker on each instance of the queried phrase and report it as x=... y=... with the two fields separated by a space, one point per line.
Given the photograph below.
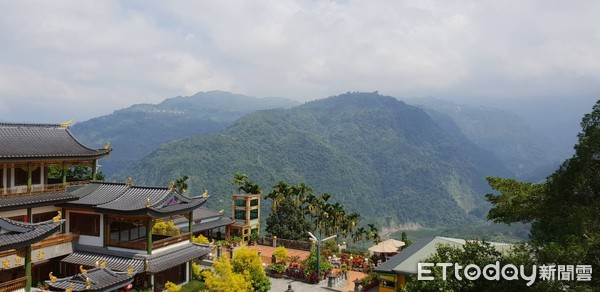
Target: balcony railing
x=13 y=285
x=38 y=189
x=142 y=243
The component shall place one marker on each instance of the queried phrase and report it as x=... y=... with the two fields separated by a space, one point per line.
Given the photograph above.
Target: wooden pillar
x=63 y=227
x=29 y=178
x=149 y=225
x=191 y=271
x=94 y=168
x=106 y=230
x=191 y=226
x=42 y=174
x=64 y=174
x=28 y=268
x=4 y=178
x=28 y=219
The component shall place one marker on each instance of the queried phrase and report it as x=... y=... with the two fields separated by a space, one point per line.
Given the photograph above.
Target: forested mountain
x=137 y=130
x=527 y=153
x=386 y=159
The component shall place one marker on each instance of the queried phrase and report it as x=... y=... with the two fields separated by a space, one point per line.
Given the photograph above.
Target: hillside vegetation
x=137 y=130
x=383 y=158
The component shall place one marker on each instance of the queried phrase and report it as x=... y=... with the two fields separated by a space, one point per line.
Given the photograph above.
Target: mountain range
x=388 y=160
x=137 y=130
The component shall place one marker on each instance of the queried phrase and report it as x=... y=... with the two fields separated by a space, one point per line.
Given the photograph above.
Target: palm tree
x=180 y=185
x=281 y=191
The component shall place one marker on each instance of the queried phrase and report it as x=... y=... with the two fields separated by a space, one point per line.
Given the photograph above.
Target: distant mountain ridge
x=388 y=160
x=525 y=151
x=139 y=129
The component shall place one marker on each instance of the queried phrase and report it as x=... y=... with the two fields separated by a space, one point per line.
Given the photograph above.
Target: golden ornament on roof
x=57 y=217
x=171 y=185
x=52 y=278
x=70 y=289
x=205 y=194
x=66 y=124
x=148 y=203
x=103 y=264
x=107 y=146
x=131 y=270
x=87 y=283
x=82 y=270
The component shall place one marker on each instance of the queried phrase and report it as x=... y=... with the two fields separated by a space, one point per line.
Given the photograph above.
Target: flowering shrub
x=297 y=271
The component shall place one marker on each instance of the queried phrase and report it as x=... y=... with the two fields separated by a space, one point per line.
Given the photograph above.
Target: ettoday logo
x=510 y=272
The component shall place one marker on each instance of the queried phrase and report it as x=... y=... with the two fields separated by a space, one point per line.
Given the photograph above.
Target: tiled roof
x=42 y=141
x=204 y=213
x=179 y=256
x=406 y=261
x=223 y=221
x=37 y=200
x=114 y=262
x=119 y=198
x=100 y=280
x=156 y=263
x=22 y=234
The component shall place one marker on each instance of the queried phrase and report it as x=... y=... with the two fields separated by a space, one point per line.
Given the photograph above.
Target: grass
x=193 y=286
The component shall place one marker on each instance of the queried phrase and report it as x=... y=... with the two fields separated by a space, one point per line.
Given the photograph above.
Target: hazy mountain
x=527 y=152
x=380 y=156
x=137 y=130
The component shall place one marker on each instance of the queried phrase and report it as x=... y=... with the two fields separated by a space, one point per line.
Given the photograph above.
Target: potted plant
x=254 y=237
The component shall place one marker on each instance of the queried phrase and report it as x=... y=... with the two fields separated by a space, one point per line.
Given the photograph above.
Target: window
x=41 y=217
x=240 y=202
x=240 y=214
x=254 y=214
x=254 y=202
x=84 y=224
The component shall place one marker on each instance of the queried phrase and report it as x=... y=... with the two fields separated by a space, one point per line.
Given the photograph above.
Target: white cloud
x=92 y=57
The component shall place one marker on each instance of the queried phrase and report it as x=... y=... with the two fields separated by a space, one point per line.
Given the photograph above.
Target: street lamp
x=319 y=240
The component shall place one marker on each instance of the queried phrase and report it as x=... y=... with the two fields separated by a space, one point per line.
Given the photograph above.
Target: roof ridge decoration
x=66 y=124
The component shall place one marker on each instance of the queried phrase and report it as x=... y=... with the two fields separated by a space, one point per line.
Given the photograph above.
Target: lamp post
x=319 y=240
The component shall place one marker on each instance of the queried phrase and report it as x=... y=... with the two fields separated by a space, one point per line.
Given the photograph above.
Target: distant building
x=392 y=274
x=246 y=213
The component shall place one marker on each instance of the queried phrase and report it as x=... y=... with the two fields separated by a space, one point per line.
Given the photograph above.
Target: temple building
x=74 y=233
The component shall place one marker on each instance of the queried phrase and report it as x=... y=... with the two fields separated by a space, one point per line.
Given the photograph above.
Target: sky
x=62 y=60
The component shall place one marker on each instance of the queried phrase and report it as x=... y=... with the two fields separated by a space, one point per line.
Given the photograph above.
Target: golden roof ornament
x=147 y=266
x=107 y=146
x=148 y=203
x=66 y=124
x=171 y=185
x=103 y=264
x=222 y=211
x=57 y=217
x=18 y=260
x=82 y=270
x=205 y=194
x=52 y=278
x=97 y=263
x=129 y=181
x=6 y=264
x=131 y=270
x=40 y=255
x=88 y=283
x=70 y=289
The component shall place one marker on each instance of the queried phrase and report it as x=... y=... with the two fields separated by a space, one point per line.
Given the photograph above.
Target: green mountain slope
x=526 y=152
x=386 y=159
x=136 y=131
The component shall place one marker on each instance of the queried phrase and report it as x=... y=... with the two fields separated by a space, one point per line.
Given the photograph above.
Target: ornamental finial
x=129 y=181
x=171 y=185
x=82 y=270
x=107 y=146
x=70 y=289
x=88 y=283
x=131 y=270
x=57 y=217
x=66 y=124
x=205 y=194
x=103 y=264
x=52 y=278
x=148 y=203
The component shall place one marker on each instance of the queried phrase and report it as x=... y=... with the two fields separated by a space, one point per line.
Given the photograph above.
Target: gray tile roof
x=204 y=213
x=22 y=234
x=119 y=198
x=406 y=261
x=42 y=141
x=100 y=280
x=223 y=221
x=156 y=263
x=37 y=200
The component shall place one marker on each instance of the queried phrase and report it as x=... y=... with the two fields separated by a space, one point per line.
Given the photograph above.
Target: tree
x=75 y=173
x=404 y=238
x=479 y=253
x=223 y=278
x=563 y=210
x=281 y=255
x=288 y=222
x=241 y=180
x=247 y=262
x=180 y=184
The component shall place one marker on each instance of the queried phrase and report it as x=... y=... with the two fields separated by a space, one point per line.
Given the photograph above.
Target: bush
x=171 y=287
x=200 y=239
x=197 y=272
x=281 y=255
x=276 y=268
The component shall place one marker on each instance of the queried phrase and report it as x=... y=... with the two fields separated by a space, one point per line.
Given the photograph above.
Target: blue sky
x=66 y=60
